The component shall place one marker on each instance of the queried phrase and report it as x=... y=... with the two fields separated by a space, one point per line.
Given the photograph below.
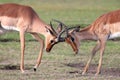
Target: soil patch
x=92 y=69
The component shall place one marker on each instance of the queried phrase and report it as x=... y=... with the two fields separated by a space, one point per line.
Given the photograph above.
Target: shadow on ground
x=12 y=67
x=92 y=69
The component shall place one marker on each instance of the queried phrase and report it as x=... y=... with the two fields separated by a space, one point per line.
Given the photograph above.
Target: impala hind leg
x=36 y=36
x=95 y=49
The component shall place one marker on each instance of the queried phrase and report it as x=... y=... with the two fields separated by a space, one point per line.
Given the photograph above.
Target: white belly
x=9 y=28
x=114 y=35
x=9 y=23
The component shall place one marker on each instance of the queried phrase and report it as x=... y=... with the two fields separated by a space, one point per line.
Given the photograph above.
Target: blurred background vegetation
x=71 y=12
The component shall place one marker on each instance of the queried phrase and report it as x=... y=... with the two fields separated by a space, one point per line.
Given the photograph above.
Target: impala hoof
x=22 y=71
x=83 y=73
x=98 y=73
x=35 y=69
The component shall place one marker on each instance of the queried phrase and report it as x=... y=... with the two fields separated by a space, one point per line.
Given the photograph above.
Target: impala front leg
x=36 y=36
x=103 y=43
x=22 y=41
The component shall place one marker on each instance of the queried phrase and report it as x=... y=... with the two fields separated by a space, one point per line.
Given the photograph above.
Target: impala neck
x=40 y=26
x=86 y=34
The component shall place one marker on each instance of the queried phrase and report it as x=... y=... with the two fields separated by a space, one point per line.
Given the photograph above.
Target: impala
x=21 y=18
x=103 y=28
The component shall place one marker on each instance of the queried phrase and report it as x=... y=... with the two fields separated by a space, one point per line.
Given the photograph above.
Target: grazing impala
x=105 y=27
x=24 y=19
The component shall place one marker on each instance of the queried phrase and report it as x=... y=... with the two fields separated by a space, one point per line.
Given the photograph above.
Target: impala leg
x=101 y=56
x=22 y=41
x=95 y=49
x=36 y=36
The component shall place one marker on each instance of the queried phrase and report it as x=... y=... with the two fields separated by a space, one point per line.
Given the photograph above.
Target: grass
x=60 y=63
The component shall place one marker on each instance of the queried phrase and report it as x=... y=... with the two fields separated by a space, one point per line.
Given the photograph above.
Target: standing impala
x=24 y=19
x=105 y=27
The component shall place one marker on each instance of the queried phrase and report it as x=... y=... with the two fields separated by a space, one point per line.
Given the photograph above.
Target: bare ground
x=106 y=73
x=92 y=70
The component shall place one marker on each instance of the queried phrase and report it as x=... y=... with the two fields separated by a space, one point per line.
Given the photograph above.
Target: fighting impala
x=23 y=19
x=103 y=28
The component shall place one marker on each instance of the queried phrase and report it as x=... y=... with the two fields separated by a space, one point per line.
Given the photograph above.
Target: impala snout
x=51 y=44
x=49 y=47
x=70 y=40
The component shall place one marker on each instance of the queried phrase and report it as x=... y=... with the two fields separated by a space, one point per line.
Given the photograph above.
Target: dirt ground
x=106 y=73
x=92 y=70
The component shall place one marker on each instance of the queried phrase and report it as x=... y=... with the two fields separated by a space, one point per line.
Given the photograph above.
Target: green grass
x=69 y=11
x=60 y=63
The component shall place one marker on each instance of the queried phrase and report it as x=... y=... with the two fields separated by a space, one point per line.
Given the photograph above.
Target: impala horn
x=66 y=29
x=59 y=38
x=55 y=33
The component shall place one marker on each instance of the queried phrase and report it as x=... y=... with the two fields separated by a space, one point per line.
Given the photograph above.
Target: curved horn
x=53 y=28
x=60 y=31
x=61 y=39
x=59 y=22
x=59 y=28
x=77 y=27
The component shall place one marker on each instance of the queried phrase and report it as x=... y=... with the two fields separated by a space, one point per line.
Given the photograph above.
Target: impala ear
x=59 y=28
x=77 y=29
x=72 y=39
x=48 y=30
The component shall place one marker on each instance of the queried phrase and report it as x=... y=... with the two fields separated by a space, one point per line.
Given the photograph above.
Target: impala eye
x=72 y=38
x=51 y=41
